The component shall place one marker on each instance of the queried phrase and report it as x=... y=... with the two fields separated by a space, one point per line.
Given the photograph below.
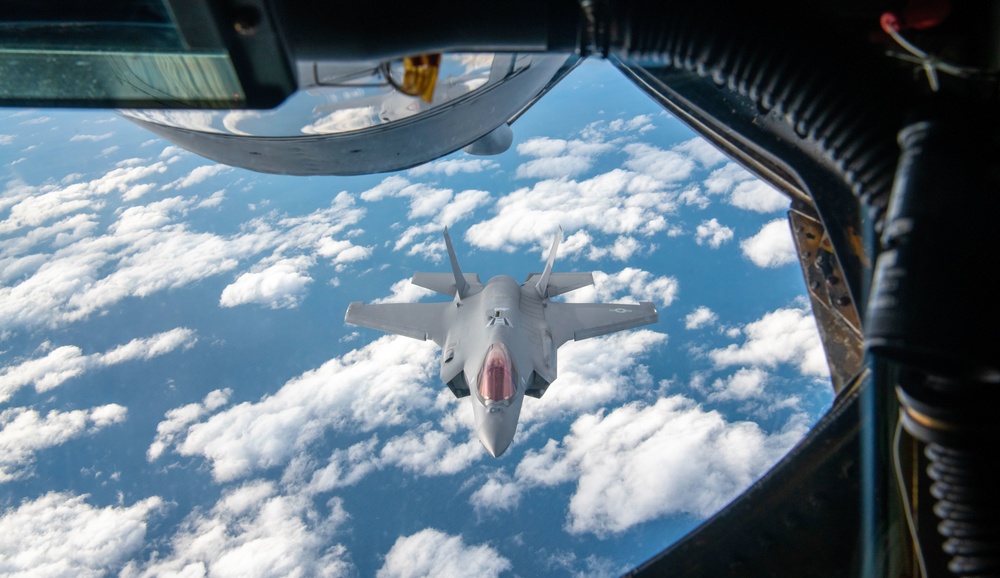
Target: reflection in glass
x=336 y=98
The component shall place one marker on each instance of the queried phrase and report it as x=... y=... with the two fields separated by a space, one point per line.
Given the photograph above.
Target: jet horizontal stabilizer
x=445 y=282
x=560 y=283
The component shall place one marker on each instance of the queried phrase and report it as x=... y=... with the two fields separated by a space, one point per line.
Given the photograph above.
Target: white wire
x=900 y=480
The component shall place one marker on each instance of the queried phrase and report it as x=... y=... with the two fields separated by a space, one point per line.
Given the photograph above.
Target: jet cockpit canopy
x=497 y=379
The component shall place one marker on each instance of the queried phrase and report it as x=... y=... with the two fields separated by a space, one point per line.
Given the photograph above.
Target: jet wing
x=582 y=320
x=417 y=320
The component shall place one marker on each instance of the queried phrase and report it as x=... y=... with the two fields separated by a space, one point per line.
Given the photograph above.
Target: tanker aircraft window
x=253 y=402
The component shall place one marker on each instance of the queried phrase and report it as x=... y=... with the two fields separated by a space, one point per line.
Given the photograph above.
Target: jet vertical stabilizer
x=461 y=286
x=543 y=283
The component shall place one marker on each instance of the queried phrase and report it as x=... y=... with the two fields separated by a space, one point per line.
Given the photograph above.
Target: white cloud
x=24 y=431
x=178 y=419
x=346 y=467
x=668 y=166
x=430 y=452
x=713 y=233
x=146 y=251
x=556 y=158
x=700 y=317
x=150 y=347
x=439 y=208
x=451 y=167
x=403 y=291
x=424 y=199
x=781 y=336
x=253 y=531
x=214 y=200
x=620 y=129
x=629 y=284
x=68 y=361
x=622 y=249
x=59 y=535
x=381 y=384
x=431 y=552
x=343 y=251
x=746 y=383
x=594 y=372
x=57 y=366
x=31 y=206
x=461 y=206
x=758 y=196
x=723 y=179
x=91 y=137
x=496 y=494
x=618 y=202
x=640 y=123
x=640 y=462
x=772 y=246
x=693 y=195
x=702 y=151
x=343 y=120
x=281 y=285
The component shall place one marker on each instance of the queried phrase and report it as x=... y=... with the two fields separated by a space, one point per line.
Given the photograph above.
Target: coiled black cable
x=968 y=507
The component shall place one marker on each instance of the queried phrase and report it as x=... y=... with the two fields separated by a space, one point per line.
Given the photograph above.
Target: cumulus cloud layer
x=68 y=361
x=782 y=336
x=758 y=196
x=254 y=531
x=432 y=208
x=639 y=462
x=452 y=167
x=61 y=535
x=622 y=203
x=178 y=419
x=66 y=268
x=377 y=385
x=403 y=291
x=629 y=284
x=282 y=284
x=24 y=431
x=431 y=552
x=556 y=158
x=594 y=372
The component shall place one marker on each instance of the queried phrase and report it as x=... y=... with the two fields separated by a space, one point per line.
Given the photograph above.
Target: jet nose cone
x=496 y=424
x=495 y=444
x=496 y=431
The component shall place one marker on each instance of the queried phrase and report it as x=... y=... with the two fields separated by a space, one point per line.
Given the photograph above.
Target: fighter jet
x=499 y=340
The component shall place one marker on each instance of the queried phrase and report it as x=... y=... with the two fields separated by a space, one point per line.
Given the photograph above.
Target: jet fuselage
x=498 y=376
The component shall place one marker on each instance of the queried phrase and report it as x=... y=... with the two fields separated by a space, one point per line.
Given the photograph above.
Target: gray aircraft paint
x=518 y=322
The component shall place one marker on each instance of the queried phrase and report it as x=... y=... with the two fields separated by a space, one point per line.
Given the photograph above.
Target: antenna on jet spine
x=543 y=283
x=461 y=286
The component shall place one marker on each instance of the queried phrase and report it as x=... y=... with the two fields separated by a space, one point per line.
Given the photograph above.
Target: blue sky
x=180 y=395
